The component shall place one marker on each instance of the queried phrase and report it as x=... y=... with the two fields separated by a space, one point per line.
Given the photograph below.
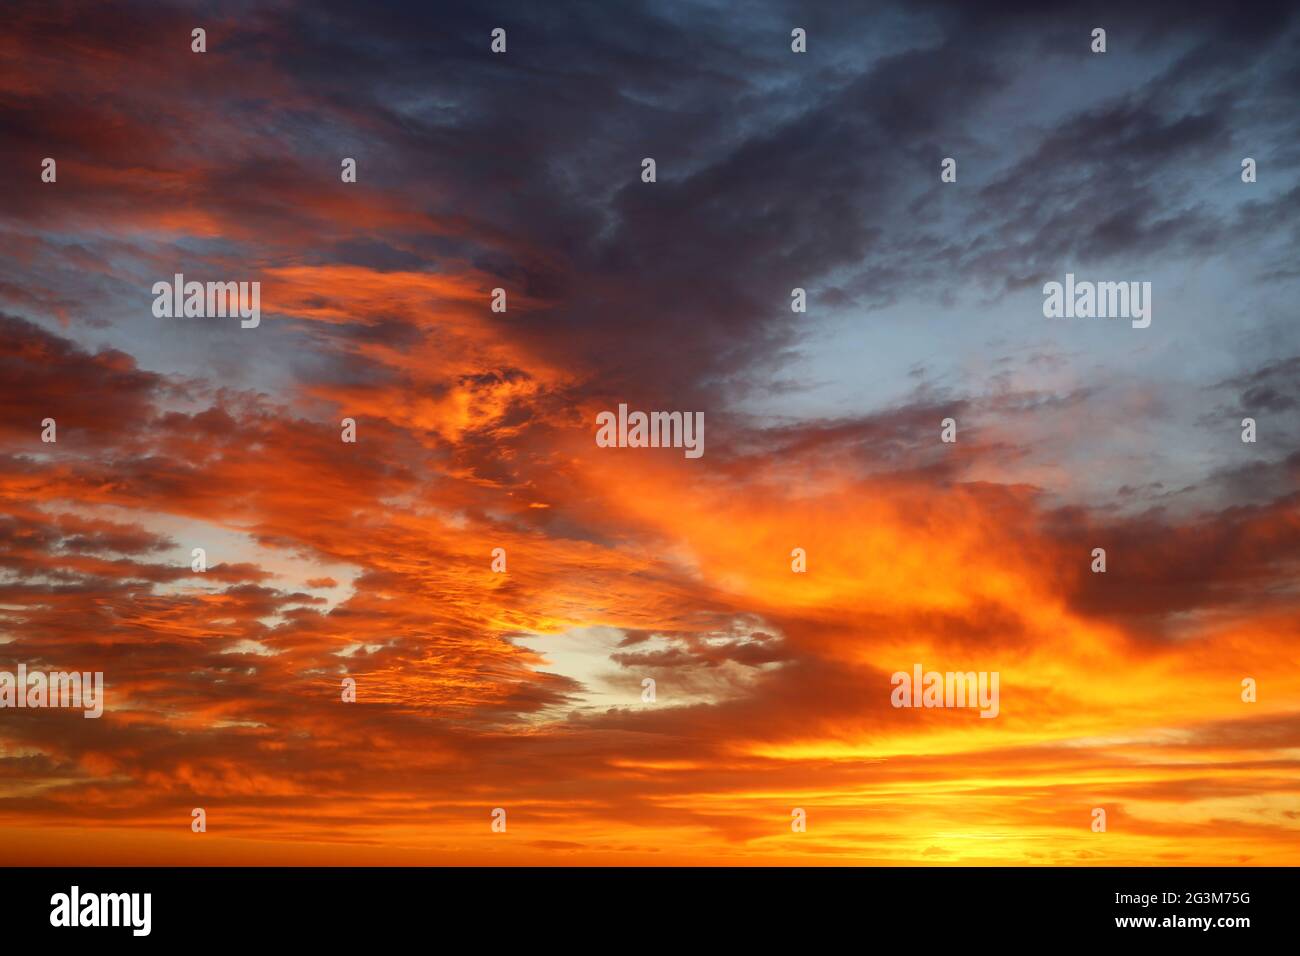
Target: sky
x=522 y=689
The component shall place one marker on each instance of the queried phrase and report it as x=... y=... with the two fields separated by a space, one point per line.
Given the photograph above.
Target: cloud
x=373 y=560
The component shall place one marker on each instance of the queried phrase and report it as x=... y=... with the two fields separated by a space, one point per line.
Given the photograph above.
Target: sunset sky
x=475 y=430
